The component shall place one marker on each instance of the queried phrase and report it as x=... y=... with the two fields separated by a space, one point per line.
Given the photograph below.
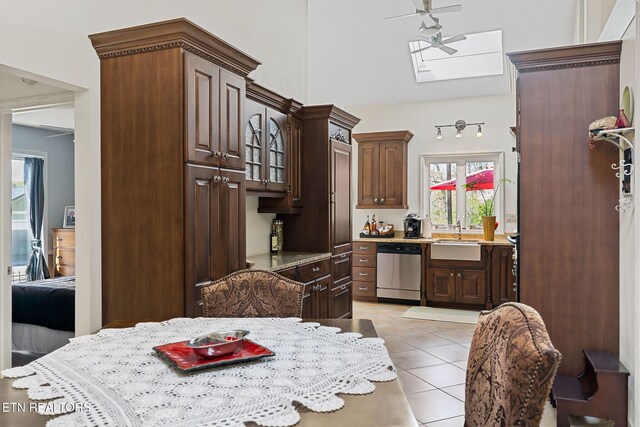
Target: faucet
x=459 y=233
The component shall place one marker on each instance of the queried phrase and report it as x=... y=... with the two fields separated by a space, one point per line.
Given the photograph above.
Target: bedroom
x=42 y=262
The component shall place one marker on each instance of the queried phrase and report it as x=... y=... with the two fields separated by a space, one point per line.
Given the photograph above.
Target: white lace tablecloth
x=118 y=379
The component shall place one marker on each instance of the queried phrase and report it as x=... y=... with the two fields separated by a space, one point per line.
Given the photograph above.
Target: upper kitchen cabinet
x=172 y=163
x=324 y=224
x=214 y=107
x=266 y=141
x=382 y=169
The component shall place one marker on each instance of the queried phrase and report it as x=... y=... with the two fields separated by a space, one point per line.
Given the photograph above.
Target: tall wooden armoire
x=173 y=161
x=568 y=225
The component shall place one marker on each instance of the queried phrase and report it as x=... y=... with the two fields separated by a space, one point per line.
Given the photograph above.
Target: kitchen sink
x=456 y=250
x=460 y=241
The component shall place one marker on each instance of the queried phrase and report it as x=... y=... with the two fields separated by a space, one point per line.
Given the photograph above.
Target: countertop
x=500 y=239
x=285 y=260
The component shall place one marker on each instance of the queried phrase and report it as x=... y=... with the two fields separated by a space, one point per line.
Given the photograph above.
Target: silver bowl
x=215 y=344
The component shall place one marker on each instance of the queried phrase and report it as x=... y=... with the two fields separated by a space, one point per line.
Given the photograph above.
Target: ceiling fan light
x=479 y=132
x=459 y=134
x=439 y=134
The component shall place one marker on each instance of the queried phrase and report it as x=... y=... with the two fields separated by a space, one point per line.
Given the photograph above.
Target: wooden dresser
x=64 y=252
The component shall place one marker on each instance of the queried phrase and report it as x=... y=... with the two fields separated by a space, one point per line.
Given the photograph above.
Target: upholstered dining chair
x=511 y=368
x=253 y=293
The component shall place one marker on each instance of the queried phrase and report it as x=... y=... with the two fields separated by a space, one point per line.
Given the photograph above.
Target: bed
x=43 y=317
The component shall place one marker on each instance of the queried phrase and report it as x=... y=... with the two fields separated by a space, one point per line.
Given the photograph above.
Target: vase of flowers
x=489 y=223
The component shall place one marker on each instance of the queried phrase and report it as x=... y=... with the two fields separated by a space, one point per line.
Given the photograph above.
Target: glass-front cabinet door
x=265 y=148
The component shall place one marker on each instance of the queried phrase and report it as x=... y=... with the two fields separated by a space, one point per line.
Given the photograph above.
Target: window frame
x=461 y=160
x=20 y=154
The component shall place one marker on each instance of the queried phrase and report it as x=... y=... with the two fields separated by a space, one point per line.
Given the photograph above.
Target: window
x=20 y=234
x=460 y=188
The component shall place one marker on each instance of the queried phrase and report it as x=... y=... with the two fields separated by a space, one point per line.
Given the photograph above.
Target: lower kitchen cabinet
x=481 y=284
x=315 y=302
x=341 y=306
x=364 y=271
x=327 y=293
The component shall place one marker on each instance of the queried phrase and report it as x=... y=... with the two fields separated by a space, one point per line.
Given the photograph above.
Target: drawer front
x=341 y=269
x=363 y=260
x=364 y=289
x=289 y=273
x=364 y=274
x=64 y=239
x=65 y=256
x=314 y=270
x=366 y=248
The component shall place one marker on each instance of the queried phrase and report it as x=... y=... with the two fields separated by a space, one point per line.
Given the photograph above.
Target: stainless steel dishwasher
x=398 y=271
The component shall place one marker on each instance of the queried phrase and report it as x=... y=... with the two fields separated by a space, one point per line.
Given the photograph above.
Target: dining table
x=355 y=383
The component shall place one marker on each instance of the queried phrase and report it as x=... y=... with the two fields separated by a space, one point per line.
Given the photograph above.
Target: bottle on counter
x=367 y=227
x=374 y=227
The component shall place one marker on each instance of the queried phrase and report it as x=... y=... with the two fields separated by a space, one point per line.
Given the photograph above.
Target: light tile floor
x=431 y=359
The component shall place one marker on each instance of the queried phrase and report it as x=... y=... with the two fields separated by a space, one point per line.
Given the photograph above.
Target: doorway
x=37 y=172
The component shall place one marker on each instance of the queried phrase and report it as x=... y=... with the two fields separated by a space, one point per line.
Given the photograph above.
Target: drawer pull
x=315 y=269
x=364 y=248
x=363 y=274
x=343 y=287
x=343 y=255
x=363 y=288
x=59 y=239
x=363 y=260
x=58 y=257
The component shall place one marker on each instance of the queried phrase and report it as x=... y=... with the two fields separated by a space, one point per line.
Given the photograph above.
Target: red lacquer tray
x=183 y=357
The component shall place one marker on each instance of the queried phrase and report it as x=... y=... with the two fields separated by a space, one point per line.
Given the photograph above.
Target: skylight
x=481 y=54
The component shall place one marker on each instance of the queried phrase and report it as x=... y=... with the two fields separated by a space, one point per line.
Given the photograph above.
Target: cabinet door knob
x=459 y=275
x=451 y=274
x=225 y=155
x=226 y=179
x=59 y=239
x=58 y=257
x=382 y=201
x=315 y=269
x=217 y=179
x=375 y=200
x=217 y=154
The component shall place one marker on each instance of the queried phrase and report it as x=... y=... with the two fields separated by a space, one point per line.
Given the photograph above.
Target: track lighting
x=460 y=125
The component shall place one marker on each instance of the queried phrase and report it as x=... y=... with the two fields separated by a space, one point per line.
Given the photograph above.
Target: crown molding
x=329 y=112
x=576 y=56
x=269 y=98
x=176 y=33
x=398 y=135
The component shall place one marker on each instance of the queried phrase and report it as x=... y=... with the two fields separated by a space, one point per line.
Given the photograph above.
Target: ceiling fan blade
x=59 y=134
x=447 y=49
x=423 y=5
x=447 y=9
x=402 y=16
x=454 y=39
x=421 y=49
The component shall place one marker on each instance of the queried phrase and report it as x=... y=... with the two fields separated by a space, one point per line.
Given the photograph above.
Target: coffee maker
x=412 y=223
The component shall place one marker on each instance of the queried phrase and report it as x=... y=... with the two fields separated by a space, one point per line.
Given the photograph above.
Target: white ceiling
x=356 y=57
x=13 y=88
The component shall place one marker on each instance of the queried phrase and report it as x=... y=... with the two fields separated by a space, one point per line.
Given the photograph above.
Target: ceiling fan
x=430 y=31
x=64 y=131
x=423 y=8
x=437 y=42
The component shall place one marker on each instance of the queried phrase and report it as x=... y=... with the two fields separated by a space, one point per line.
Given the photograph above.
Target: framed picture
x=69 y=217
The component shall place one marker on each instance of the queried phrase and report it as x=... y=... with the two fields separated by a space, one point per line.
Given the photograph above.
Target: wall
x=420 y=118
x=48 y=43
x=258 y=229
x=60 y=168
x=629 y=277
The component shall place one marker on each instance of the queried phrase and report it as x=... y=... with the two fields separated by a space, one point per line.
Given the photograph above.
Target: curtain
x=34 y=189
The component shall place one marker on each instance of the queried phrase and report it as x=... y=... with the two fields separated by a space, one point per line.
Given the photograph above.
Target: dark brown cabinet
x=503 y=279
x=214 y=99
x=172 y=135
x=382 y=169
x=460 y=286
x=214 y=229
x=266 y=148
x=566 y=271
x=364 y=271
x=341 y=301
